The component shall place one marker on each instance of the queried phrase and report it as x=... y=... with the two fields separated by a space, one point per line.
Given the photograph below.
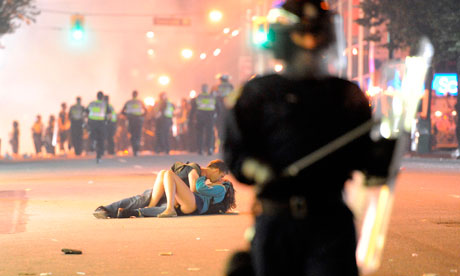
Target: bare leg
x=158 y=189
x=176 y=189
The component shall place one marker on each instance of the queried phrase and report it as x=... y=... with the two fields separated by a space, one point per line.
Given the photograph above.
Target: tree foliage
x=408 y=20
x=14 y=12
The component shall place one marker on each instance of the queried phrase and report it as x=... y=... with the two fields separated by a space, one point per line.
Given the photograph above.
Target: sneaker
x=101 y=213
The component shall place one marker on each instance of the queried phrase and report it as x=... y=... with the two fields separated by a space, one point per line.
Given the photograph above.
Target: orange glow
x=215 y=16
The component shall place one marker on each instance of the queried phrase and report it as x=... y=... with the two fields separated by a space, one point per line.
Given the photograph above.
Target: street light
x=150 y=34
x=217 y=52
x=164 y=80
x=215 y=16
x=149 y=101
x=203 y=56
x=187 y=53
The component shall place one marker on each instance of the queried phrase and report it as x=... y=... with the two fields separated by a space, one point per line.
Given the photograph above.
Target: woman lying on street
x=185 y=189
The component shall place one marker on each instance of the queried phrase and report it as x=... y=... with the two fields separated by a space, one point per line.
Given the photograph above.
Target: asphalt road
x=46 y=206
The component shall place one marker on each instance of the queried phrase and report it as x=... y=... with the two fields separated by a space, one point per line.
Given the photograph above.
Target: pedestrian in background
x=221 y=92
x=63 y=128
x=97 y=114
x=205 y=112
x=14 y=138
x=111 y=126
x=51 y=136
x=181 y=116
x=37 y=134
x=163 y=123
x=135 y=111
x=77 y=116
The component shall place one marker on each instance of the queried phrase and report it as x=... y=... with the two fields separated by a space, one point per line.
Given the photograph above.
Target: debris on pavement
x=71 y=251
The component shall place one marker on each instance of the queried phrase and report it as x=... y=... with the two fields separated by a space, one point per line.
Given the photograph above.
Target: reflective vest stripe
x=97 y=111
x=134 y=107
x=114 y=114
x=206 y=103
x=169 y=110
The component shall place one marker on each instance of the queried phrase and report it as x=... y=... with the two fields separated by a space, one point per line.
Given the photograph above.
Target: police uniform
x=76 y=115
x=134 y=110
x=205 y=111
x=223 y=90
x=305 y=228
x=163 y=126
x=97 y=112
x=111 y=130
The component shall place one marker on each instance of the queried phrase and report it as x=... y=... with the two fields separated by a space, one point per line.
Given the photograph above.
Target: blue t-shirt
x=206 y=193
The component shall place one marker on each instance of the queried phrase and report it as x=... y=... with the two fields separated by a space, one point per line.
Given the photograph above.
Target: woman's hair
x=218 y=164
x=227 y=203
x=229 y=199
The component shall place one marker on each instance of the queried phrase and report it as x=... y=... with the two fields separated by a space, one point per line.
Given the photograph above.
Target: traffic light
x=77 y=30
x=259 y=31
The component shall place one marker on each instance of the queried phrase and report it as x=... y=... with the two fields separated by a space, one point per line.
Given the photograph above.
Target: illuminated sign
x=445 y=84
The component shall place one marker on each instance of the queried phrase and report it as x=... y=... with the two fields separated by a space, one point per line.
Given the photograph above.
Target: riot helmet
x=308 y=27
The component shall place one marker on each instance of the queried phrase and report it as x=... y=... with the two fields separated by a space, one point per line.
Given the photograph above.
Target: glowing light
x=149 y=101
x=217 y=52
x=151 y=52
x=164 y=80
x=192 y=94
x=203 y=56
x=215 y=16
x=187 y=53
x=454 y=113
x=354 y=51
x=77 y=35
x=373 y=90
x=174 y=130
x=150 y=34
x=438 y=113
x=235 y=32
x=226 y=30
x=279 y=68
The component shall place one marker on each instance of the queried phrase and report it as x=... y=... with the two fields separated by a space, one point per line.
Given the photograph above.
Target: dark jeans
x=205 y=134
x=137 y=202
x=37 y=142
x=323 y=246
x=135 y=124
x=162 y=133
x=111 y=130
x=98 y=130
x=76 y=131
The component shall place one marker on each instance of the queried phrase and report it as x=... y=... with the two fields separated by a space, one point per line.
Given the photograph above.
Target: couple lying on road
x=185 y=189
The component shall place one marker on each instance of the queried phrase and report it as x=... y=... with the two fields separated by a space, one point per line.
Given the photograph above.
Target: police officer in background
x=76 y=116
x=221 y=91
x=302 y=226
x=135 y=110
x=97 y=115
x=111 y=126
x=163 y=123
x=205 y=111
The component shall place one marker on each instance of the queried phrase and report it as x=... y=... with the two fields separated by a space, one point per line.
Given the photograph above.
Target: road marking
x=455 y=196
